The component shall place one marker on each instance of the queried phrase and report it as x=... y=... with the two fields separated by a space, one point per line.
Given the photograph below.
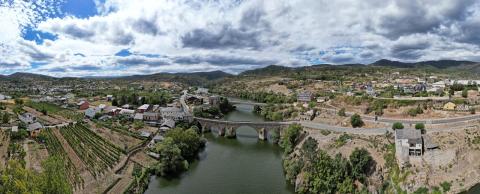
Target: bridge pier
x=231 y=132
x=221 y=131
x=262 y=134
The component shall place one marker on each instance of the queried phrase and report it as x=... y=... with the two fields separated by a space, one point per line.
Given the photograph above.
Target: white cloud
x=236 y=35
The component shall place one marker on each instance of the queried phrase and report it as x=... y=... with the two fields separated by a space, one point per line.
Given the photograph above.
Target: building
x=173 y=113
x=143 y=108
x=166 y=125
x=304 y=97
x=151 y=116
x=127 y=112
x=91 y=112
x=34 y=129
x=83 y=105
x=138 y=116
x=27 y=118
x=109 y=97
x=408 y=142
x=449 y=106
x=214 y=100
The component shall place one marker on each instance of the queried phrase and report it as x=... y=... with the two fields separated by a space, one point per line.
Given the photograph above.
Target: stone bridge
x=229 y=128
x=246 y=102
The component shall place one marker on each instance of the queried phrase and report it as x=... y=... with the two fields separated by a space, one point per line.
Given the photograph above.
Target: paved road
x=412 y=121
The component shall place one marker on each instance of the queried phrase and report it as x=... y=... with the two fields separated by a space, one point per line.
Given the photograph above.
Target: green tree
x=16 y=179
x=342 y=113
x=361 y=162
x=464 y=93
x=356 y=120
x=397 y=125
x=54 y=177
x=445 y=186
x=309 y=147
x=189 y=142
x=290 y=137
x=6 y=118
x=170 y=160
x=421 y=127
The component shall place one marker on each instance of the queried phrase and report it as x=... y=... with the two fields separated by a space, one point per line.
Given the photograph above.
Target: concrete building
x=304 y=97
x=408 y=142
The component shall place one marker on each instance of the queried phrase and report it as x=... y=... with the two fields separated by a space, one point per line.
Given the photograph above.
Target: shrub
x=356 y=121
x=342 y=113
x=420 y=126
x=397 y=125
x=445 y=186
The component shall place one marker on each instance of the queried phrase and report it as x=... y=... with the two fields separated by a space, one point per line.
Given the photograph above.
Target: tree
x=309 y=147
x=54 y=177
x=341 y=112
x=361 y=161
x=189 y=142
x=290 y=137
x=397 y=125
x=6 y=118
x=114 y=102
x=465 y=93
x=445 y=186
x=421 y=127
x=170 y=160
x=16 y=179
x=356 y=120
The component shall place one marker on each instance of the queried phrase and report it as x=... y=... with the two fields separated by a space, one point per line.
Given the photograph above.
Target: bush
x=356 y=121
x=445 y=186
x=420 y=126
x=342 y=113
x=397 y=125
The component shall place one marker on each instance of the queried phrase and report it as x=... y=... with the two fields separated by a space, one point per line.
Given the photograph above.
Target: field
x=54 y=147
x=55 y=109
x=96 y=153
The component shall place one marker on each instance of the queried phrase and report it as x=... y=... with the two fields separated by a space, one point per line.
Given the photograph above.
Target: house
x=126 y=106
x=109 y=97
x=34 y=129
x=14 y=129
x=145 y=134
x=201 y=91
x=111 y=110
x=138 y=116
x=173 y=113
x=156 y=139
x=167 y=124
x=322 y=99
x=127 y=112
x=462 y=107
x=370 y=91
x=304 y=97
x=214 y=100
x=27 y=118
x=102 y=106
x=143 y=108
x=83 y=105
x=439 y=84
x=91 y=112
x=408 y=142
x=105 y=117
x=449 y=106
x=151 y=116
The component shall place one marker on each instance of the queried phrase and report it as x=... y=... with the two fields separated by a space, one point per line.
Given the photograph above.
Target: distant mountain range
x=202 y=77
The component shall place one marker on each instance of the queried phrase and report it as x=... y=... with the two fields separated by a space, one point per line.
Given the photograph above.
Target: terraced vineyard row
x=54 y=147
x=96 y=153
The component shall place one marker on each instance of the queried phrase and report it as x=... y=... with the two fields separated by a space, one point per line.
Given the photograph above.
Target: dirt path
x=125 y=180
x=28 y=156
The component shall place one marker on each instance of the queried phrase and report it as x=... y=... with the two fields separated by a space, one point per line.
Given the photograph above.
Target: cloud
x=198 y=35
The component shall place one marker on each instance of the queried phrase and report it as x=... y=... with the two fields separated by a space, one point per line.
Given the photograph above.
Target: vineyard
x=54 y=147
x=55 y=109
x=96 y=153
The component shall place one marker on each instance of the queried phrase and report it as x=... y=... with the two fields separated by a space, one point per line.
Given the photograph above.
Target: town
x=430 y=120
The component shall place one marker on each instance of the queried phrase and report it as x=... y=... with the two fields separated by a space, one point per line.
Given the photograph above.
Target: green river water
x=231 y=166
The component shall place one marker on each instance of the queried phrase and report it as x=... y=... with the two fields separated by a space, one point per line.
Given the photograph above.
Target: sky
x=124 y=37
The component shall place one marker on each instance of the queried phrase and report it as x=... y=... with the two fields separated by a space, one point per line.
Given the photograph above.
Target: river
x=227 y=166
